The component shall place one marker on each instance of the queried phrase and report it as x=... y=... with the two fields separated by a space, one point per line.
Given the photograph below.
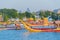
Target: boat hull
x=47 y=29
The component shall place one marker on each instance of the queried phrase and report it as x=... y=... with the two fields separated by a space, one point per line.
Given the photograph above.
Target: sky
x=33 y=5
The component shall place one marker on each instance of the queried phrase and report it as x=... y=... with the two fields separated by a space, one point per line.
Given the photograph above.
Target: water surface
x=25 y=35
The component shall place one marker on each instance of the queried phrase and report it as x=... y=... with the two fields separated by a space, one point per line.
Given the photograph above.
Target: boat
x=27 y=26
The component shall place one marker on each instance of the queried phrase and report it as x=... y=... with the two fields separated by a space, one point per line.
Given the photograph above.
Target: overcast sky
x=33 y=5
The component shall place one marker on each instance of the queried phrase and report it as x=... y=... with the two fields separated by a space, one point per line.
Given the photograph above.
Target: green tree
x=41 y=14
x=27 y=14
x=10 y=12
x=54 y=16
x=6 y=18
x=47 y=14
x=21 y=15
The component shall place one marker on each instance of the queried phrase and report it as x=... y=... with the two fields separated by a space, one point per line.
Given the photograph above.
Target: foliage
x=21 y=15
x=53 y=15
x=6 y=18
x=8 y=13
x=27 y=14
x=13 y=13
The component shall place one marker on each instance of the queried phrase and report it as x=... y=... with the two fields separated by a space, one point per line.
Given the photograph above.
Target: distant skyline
x=33 y=5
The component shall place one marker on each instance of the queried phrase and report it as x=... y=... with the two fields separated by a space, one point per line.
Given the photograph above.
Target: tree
x=54 y=16
x=27 y=14
x=33 y=17
x=47 y=14
x=6 y=18
x=21 y=15
x=10 y=12
x=41 y=14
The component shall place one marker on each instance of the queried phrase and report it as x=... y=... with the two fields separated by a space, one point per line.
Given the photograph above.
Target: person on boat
x=17 y=26
x=58 y=23
x=55 y=24
x=41 y=22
